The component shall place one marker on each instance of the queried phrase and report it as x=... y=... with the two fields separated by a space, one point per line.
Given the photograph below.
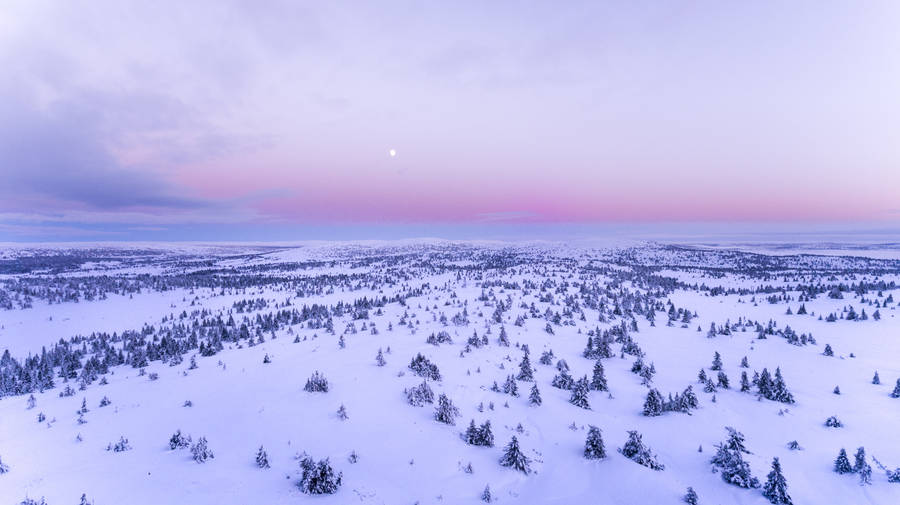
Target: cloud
x=62 y=155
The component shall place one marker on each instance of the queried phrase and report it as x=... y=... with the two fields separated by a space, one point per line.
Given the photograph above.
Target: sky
x=268 y=120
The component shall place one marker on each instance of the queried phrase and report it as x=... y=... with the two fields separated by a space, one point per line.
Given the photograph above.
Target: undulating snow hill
x=109 y=351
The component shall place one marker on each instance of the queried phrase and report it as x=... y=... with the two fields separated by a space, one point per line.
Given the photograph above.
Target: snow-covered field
x=219 y=342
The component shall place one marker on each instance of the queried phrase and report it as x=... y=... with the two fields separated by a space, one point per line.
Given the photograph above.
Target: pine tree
x=780 y=390
x=318 y=478
x=691 y=496
x=729 y=460
x=896 y=392
x=745 y=382
x=580 y=391
x=342 y=413
x=513 y=457
x=503 y=340
x=200 y=451
x=744 y=362
x=262 y=458
x=446 y=412
x=179 y=441
x=876 y=379
x=598 y=382
x=3 y=468
x=842 y=463
x=764 y=384
x=865 y=474
x=859 y=459
x=722 y=380
x=317 y=383
x=379 y=358
x=471 y=433
x=828 y=351
x=486 y=494
x=775 y=488
x=510 y=387
x=653 y=405
x=526 y=373
x=635 y=450
x=535 y=397
x=485 y=434
x=717 y=362
x=593 y=446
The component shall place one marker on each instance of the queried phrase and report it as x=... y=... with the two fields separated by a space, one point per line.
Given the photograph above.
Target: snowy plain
x=403 y=455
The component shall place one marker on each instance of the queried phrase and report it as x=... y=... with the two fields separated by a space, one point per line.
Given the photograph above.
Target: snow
x=405 y=456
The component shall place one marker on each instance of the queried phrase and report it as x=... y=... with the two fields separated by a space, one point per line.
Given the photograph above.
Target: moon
x=392 y=153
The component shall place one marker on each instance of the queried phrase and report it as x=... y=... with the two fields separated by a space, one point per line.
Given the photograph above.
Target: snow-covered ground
x=392 y=297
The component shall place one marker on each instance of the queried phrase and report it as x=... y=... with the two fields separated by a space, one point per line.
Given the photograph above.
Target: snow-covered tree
x=513 y=457
x=775 y=488
x=653 y=405
x=593 y=445
x=317 y=383
x=318 y=478
x=729 y=460
x=526 y=373
x=201 y=452
x=635 y=450
x=691 y=497
x=534 y=398
x=580 y=392
x=716 y=362
x=598 y=381
x=842 y=463
x=262 y=458
x=446 y=412
x=179 y=441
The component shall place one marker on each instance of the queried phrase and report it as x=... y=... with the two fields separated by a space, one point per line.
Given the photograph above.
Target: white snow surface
x=404 y=455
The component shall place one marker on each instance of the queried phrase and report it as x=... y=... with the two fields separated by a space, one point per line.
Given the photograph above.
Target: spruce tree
x=691 y=496
x=513 y=457
x=580 y=391
x=510 y=387
x=722 y=380
x=446 y=412
x=593 y=446
x=745 y=382
x=842 y=463
x=859 y=459
x=729 y=459
x=635 y=450
x=775 y=488
x=598 y=381
x=200 y=451
x=717 y=362
x=534 y=398
x=876 y=379
x=896 y=392
x=486 y=495
x=471 y=434
x=526 y=373
x=485 y=434
x=262 y=459
x=653 y=405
